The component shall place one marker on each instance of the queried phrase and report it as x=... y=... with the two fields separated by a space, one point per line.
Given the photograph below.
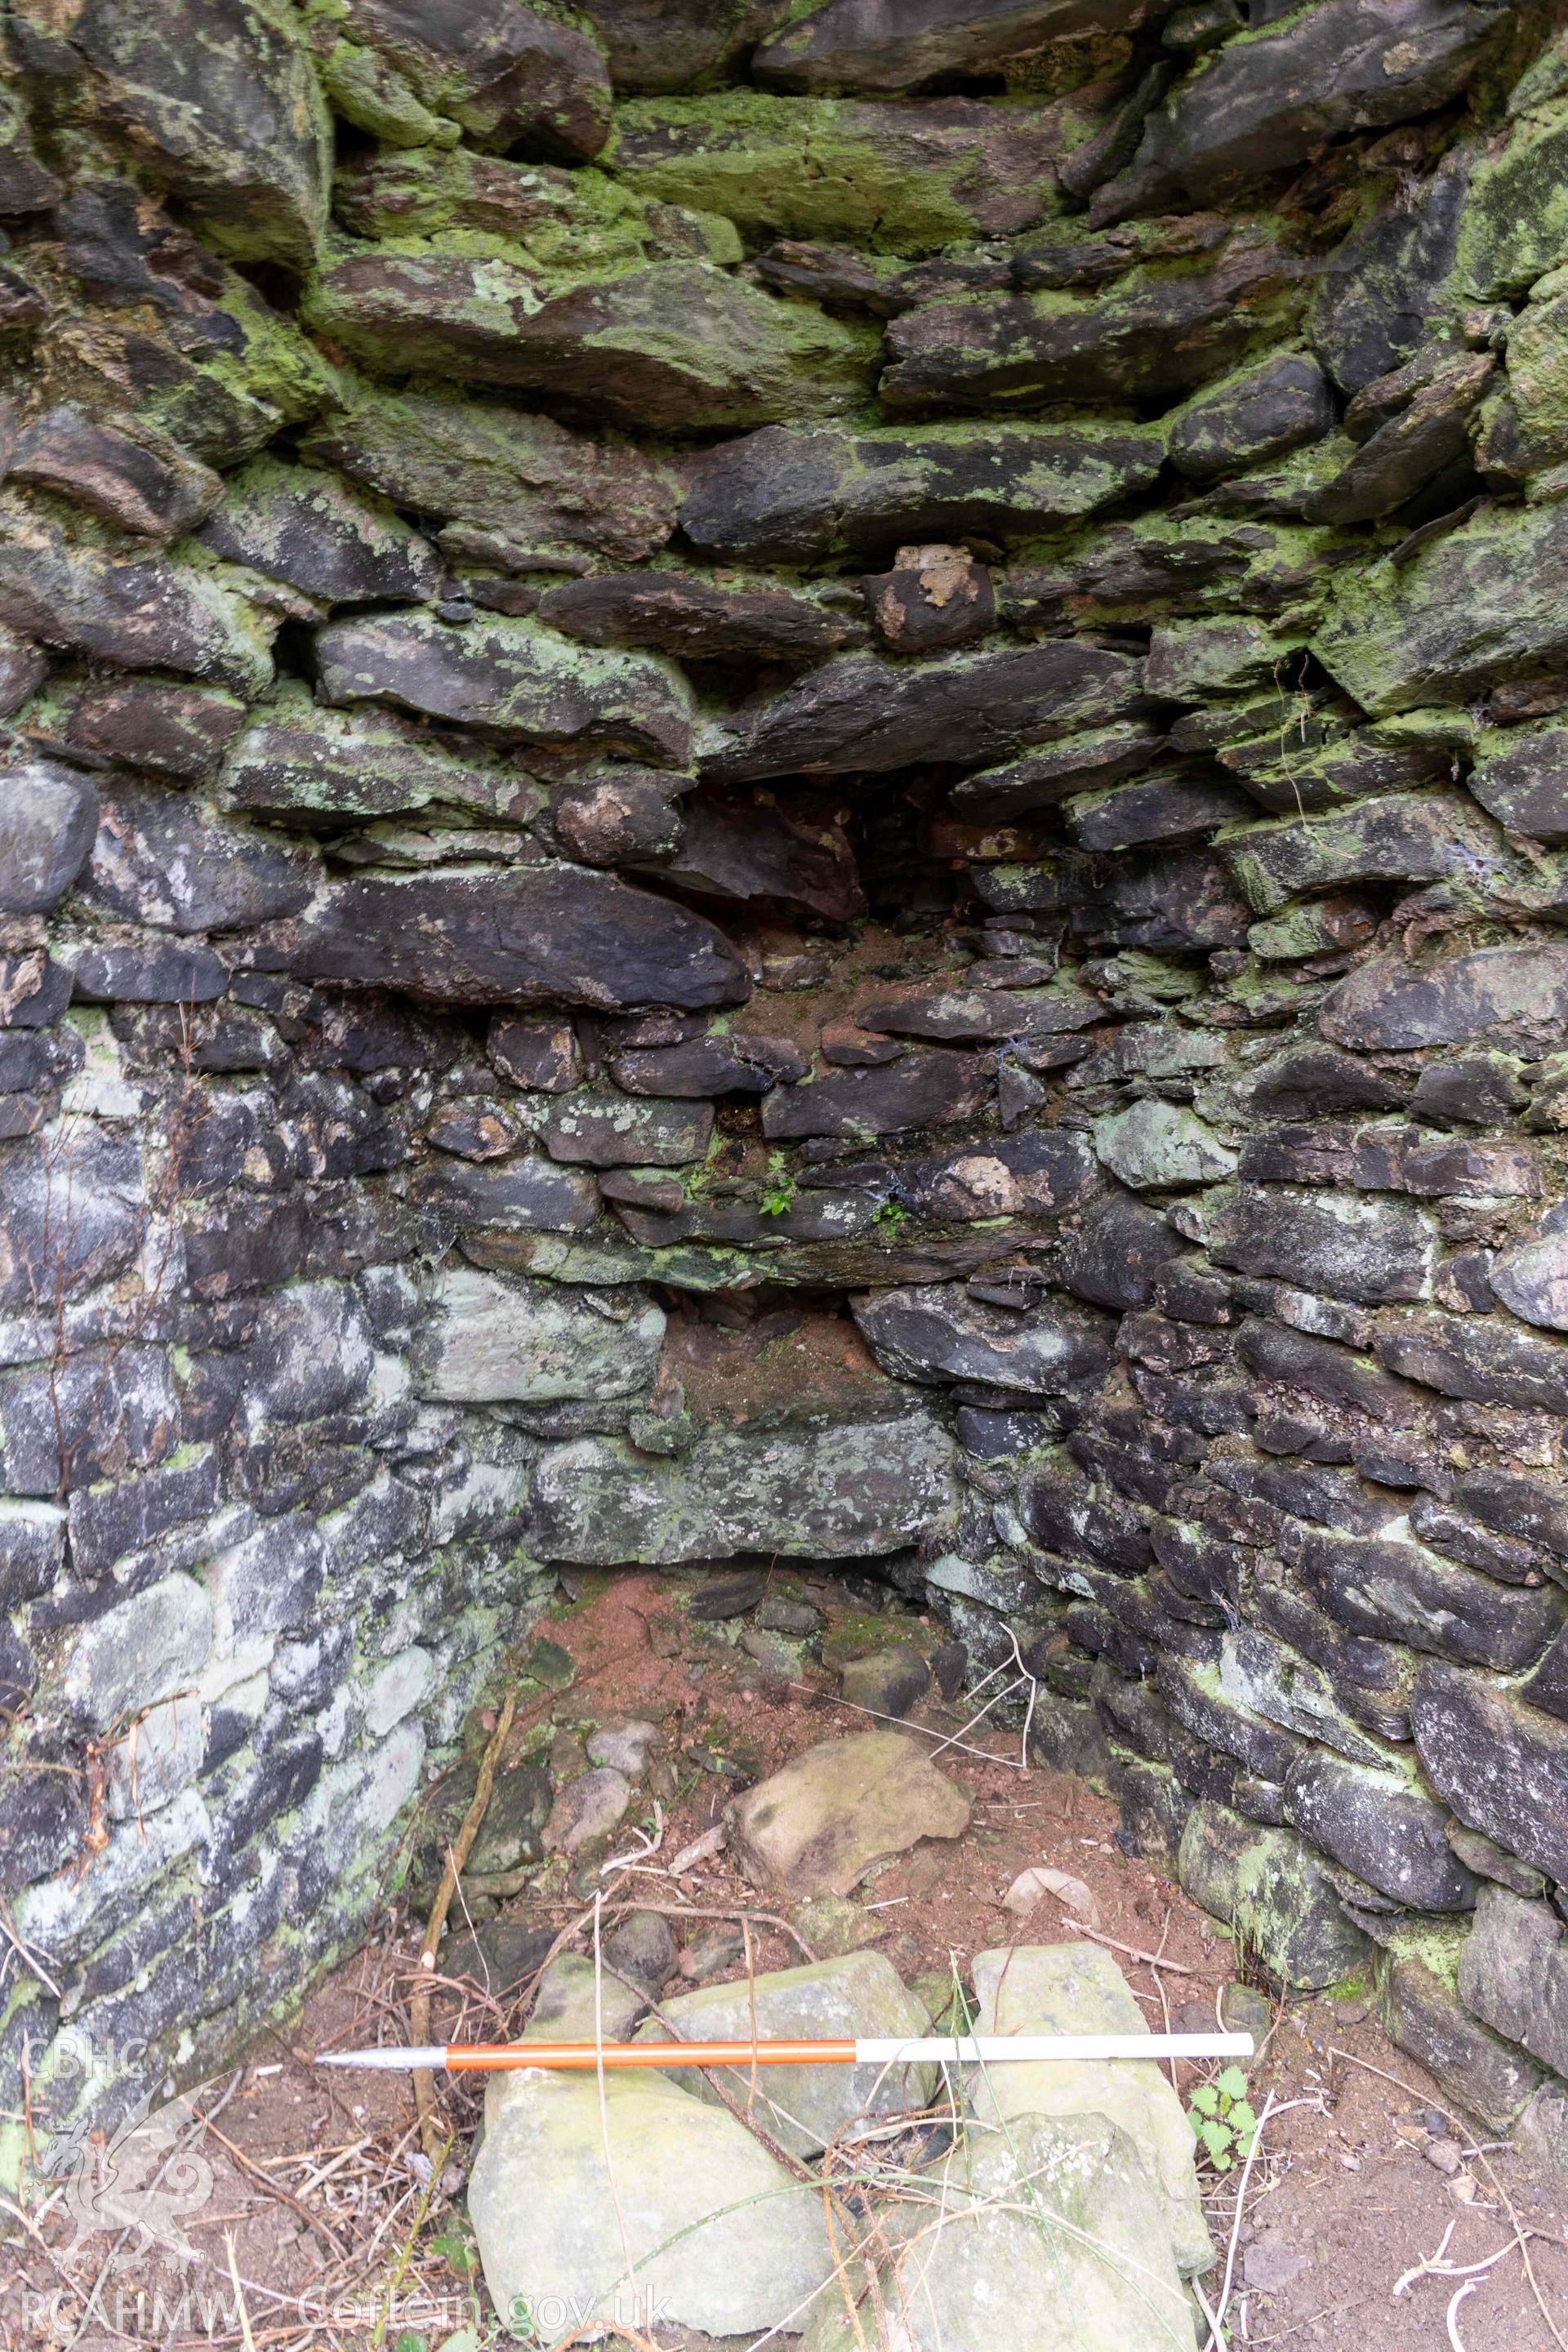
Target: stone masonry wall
x=783 y=780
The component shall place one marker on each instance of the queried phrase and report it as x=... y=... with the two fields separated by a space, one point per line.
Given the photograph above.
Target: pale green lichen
x=814 y=167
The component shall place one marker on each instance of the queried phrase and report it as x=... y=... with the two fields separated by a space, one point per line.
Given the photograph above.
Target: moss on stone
x=823 y=167
x=1515 y=224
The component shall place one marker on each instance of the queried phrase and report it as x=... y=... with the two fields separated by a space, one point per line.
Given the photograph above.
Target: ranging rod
x=945 y=2049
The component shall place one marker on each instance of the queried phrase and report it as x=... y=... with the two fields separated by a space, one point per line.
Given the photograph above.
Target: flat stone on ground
x=860 y=1996
x=817 y=1826
x=1078 y=1989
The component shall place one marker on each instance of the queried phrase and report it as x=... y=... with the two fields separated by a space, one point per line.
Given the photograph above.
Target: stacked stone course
x=888 y=680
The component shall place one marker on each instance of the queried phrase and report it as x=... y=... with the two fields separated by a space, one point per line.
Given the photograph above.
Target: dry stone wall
x=880 y=688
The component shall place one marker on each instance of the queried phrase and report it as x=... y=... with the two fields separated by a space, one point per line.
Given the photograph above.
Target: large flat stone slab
x=844 y=1491
x=1051 y=2240
x=1078 y=1989
x=715 y=2228
x=820 y=1824
x=537 y=935
x=490 y=1337
x=856 y=1998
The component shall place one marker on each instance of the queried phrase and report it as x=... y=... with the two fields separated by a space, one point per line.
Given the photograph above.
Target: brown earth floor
x=338 y=2237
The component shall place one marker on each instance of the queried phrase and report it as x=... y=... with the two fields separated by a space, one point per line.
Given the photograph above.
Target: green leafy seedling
x=1223 y=2122
x=893 y=1216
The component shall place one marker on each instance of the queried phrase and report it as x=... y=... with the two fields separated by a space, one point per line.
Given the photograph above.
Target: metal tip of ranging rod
x=390 y=2061
x=943 y=2049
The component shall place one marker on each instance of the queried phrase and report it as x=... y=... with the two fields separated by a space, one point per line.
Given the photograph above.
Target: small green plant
x=777 y=1196
x=1223 y=2122
x=892 y=1217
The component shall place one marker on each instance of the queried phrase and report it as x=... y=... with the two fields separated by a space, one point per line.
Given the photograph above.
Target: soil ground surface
x=311 y=2217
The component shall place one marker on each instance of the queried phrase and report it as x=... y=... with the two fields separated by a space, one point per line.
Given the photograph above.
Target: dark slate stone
x=1265 y=104
x=1063 y=1513
x=1174 y=804
x=68 y=1217
x=783 y=495
x=1153 y=337
x=1271 y=1887
x=1529 y=1276
x=1380 y=1826
x=1179 y=900
x=1331 y=1498
x=1200 y=1702
x=1472 y=1089
x=1399 y=1591
x=733 y=1595
x=935 y=596
x=669 y=44
x=308 y=766
x=158 y=973
x=310 y=529
x=32 y=1550
x=510 y=485
x=164 y=725
x=142 y=484
x=1513 y=1503
x=599 y=1127
x=154 y=613
x=739 y=849
x=1293 y=778
x=679 y=348
x=1324 y=1369
x=49 y=816
x=1429 y=435
x=1515 y=998
x=163 y=859
x=1496 y=1761
x=1522 y=778
x=1387 y=1158
x=677 y=614
x=1384 y=288
x=954 y=1016
x=1044 y=779
x=1513 y=1972
x=1421 y=2012
x=1393 y=838
x=97 y=1417
x=1485 y=1361
x=881 y=44
x=1468 y=614
x=43 y=1821
x=1204 y=1567
x=329 y=1129
x=937 y=1332
x=525 y=1194
x=509 y=75
x=1510 y=1558
x=721 y=1063
x=1040 y=1172
x=311 y=1354
x=1117 y=1252
x=537 y=935
x=862 y=712
x=618 y=815
x=922 y=1089
x=1252 y=417
x=992 y=1435
x=107 y=1522
x=1371 y=1250
x=225 y=109
x=511 y=679
x=1548 y=1685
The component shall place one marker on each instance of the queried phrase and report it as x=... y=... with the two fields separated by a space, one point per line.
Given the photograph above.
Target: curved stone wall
x=783 y=780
